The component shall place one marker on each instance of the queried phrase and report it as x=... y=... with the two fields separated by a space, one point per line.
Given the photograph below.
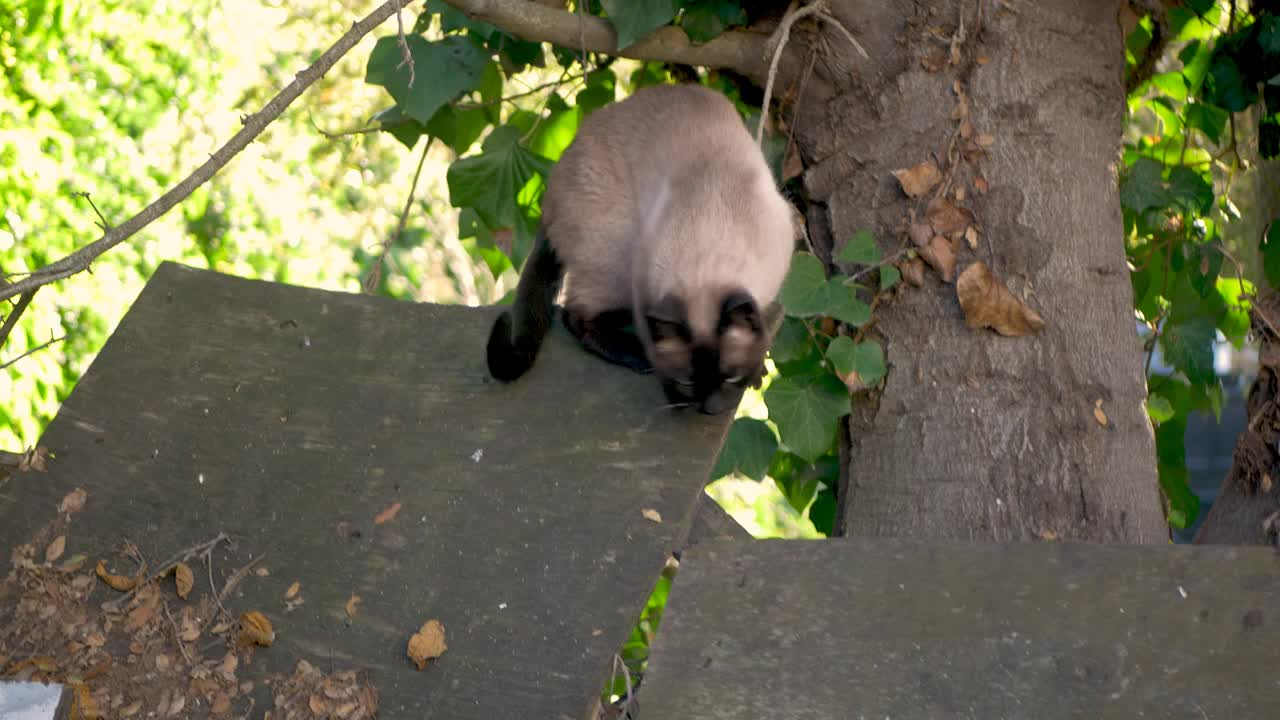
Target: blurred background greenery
x=122 y=99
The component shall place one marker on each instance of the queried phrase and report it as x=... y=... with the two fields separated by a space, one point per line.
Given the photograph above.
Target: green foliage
x=633 y=19
x=1178 y=164
x=446 y=68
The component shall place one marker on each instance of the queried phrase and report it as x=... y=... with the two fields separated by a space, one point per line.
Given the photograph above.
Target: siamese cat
x=661 y=215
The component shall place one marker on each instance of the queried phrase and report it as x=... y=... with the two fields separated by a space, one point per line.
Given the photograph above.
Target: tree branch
x=12 y=319
x=740 y=50
x=253 y=126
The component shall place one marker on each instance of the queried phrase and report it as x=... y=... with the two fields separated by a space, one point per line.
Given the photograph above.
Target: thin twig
x=374 y=277
x=208 y=563
x=79 y=260
x=103 y=221
x=238 y=576
x=35 y=349
x=176 y=636
x=526 y=93
x=403 y=42
x=12 y=319
x=581 y=7
x=180 y=556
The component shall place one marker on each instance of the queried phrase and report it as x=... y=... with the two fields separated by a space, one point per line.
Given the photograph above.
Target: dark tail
x=518 y=333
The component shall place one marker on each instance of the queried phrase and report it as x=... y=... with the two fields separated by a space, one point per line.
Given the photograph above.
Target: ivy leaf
x=1172 y=84
x=1205 y=265
x=844 y=305
x=1269 y=34
x=459 y=129
x=868 y=362
x=804 y=292
x=840 y=353
x=634 y=19
x=600 y=91
x=1159 y=408
x=492 y=181
x=399 y=125
x=1142 y=186
x=443 y=70
x=1226 y=87
x=703 y=21
x=807 y=410
x=889 y=276
x=453 y=19
x=822 y=513
x=1188 y=346
x=1208 y=119
x=1191 y=190
x=748 y=449
x=793 y=341
x=861 y=249
x=1270 y=247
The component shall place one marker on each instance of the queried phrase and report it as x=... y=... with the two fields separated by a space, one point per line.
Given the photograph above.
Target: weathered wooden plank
x=804 y=630
x=290 y=417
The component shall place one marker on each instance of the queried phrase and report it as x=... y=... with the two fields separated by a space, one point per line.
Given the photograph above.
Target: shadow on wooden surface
x=814 y=630
x=290 y=418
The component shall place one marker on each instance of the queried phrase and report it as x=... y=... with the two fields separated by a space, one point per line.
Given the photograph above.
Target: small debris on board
x=387 y=515
x=427 y=644
x=651 y=515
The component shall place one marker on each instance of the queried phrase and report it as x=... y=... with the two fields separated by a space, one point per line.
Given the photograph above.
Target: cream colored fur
x=666 y=192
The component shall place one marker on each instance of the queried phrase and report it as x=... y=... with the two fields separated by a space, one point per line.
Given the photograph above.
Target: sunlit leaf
x=443 y=70
x=1159 y=408
x=491 y=181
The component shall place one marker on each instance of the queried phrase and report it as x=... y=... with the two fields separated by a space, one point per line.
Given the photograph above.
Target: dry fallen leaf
x=912 y=270
x=73 y=502
x=1048 y=535
x=792 y=163
x=1266 y=483
x=987 y=302
x=651 y=514
x=971 y=237
x=183 y=579
x=427 y=644
x=1098 y=414
x=921 y=234
x=947 y=219
x=934 y=60
x=982 y=58
x=941 y=256
x=919 y=178
x=292 y=592
x=55 y=549
x=387 y=515
x=986 y=140
x=980 y=184
x=131 y=709
x=221 y=703
x=596 y=632
x=352 y=603
x=117 y=582
x=256 y=628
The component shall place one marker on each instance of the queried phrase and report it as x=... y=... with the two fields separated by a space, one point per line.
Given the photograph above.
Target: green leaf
x=492 y=181
x=706 y=19
x=1171 y=84
x=840 y=354
x=807 y=411
x=861 y=249
x=1191 y=190
x=556 y=132
x=601 y=90
x=748 y=450
x=1269 y=34
x=1188 y=346
x=459 y=129
x=1226 y=87
x=443 y=70
x=793 y=341
x=807 y=292
x=453 y=19
x=634 y=19
x=804 y=292
x=393 y=120
x=1236 y=294
x=1270 y=247
x=1208 y=119
x=1142 y=187
x=1159 y=408
x=1204 y=266
x=822 y=513
x=889 y=276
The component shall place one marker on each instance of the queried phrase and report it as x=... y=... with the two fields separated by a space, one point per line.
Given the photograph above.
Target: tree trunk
x=978 y=436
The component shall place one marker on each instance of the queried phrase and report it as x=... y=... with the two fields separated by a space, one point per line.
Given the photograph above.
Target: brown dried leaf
x=982 y=58
x=912 y=270
x=73 y=563
x=221 y=703
x=117 y=582
x=73 y=502
x=792 y=163
x=987 y=302
x=971 y=237
x=427 y=644
x=921 y=234
x=919 y=178
x=1098 y=414
x=352 y=603
x=183 y=579
x=947 y=219
x=980 y=184
x=387 y=515
x=651 y=515
x=1048 y=535
x=935 y=60
x=292 y=592
x=33 y=459
x=131 y=709
x=986 y=140
x=941 y=256
x=1266 y=484
x=140 y=616
x=55 y=549
x=256 y=628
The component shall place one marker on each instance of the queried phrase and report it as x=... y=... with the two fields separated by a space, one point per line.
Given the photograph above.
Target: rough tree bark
x=977 y=436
